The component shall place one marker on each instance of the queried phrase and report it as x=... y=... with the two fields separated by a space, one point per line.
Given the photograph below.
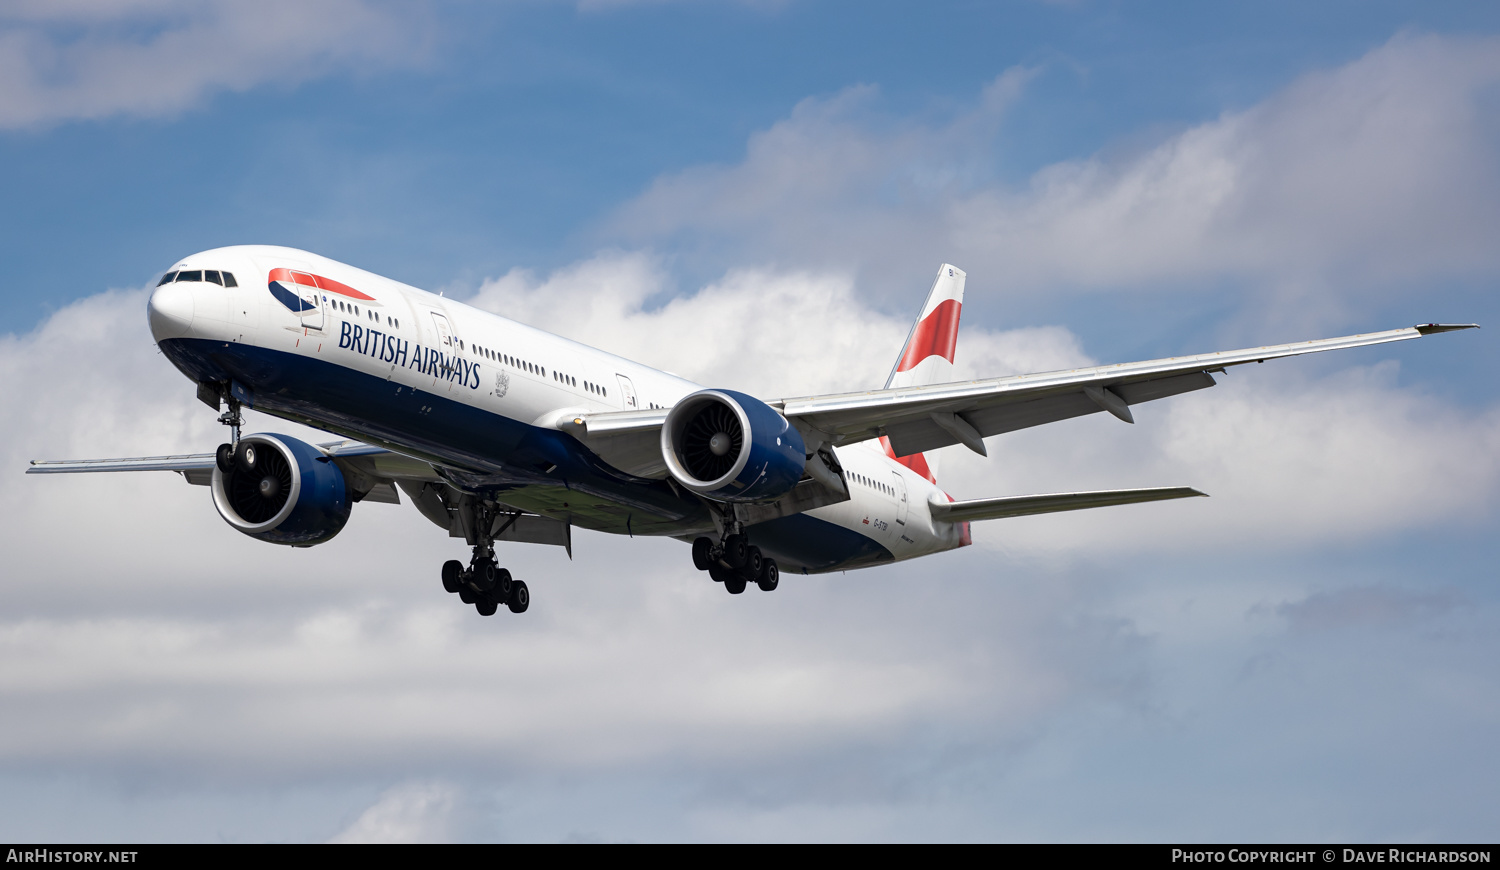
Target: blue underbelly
x=536 y=469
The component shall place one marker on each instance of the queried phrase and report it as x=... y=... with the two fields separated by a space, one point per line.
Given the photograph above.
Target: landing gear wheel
x=719 y=573
x=484 y=575
x=503 y=586
x=453 y=575
x=770 y=575
x=467 y=595
x=486 y=606
x=224 y=458
x=520 y=597
x=245 y=457
x=703 y=553
x=734 y=584
x=753 y=562
x=736 y=550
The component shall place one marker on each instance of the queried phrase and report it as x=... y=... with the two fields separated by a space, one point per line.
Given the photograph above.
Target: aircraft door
x=627 y=394
x=444 y=332
x=901 y=502
x=312 y=317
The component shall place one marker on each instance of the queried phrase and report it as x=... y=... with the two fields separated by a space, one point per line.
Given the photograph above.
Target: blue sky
x=756 y=194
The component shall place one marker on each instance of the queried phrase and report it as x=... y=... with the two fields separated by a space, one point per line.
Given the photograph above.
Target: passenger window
x=229 y=279
x=213 y=275
x=195 y=275
x=167 y=278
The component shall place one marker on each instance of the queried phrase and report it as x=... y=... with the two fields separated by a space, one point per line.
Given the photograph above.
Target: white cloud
x=412 y=813
x=1289 y=461
x=1358 y=178
x=144 y=641
x=769 y=332
x=84 y=59
x=141 y=627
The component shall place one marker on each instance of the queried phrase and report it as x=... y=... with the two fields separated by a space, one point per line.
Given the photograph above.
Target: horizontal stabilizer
x=1025 y=505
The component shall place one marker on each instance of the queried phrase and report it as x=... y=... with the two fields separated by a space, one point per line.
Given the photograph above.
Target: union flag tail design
x=927 y=357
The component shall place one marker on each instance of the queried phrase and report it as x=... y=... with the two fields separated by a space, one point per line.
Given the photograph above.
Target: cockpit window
x=213 y=275
x=195 y=275
x=167 y=278
x=229 y=280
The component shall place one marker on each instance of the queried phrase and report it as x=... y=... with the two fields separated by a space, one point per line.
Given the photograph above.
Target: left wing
x=197 y=468
x=921 y=418
x=372 y=471
x=373 y=475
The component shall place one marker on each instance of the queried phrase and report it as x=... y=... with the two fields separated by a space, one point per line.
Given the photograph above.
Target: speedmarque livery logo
x=298 y=291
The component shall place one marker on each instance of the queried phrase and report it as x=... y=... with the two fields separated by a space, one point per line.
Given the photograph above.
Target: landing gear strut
x=736 y=563
x=234 y=454
x=483 y=583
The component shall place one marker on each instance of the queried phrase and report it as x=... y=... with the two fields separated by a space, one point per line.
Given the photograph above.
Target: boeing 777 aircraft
x=499 y=432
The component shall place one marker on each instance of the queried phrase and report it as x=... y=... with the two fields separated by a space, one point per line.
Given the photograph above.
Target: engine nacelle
x=728 y=446
x=295 y=495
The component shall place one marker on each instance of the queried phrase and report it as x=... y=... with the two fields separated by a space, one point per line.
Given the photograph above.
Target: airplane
x=502 y=433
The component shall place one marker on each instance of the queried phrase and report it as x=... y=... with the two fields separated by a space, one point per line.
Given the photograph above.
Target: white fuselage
x=429 y=349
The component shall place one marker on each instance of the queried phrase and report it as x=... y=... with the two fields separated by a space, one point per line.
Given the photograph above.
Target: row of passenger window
x=351 y=308
x=587 y=386
x=213 y=276
x=505 y=359
x=540 y=371
x=873 y=484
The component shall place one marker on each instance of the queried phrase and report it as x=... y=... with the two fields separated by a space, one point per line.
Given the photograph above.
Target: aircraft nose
x=170 y=311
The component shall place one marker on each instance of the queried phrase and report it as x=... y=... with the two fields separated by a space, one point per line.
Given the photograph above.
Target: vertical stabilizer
x=927 y=356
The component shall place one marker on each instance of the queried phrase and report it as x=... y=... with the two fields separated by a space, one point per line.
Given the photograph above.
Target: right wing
x=917 y=419
x=921 y=418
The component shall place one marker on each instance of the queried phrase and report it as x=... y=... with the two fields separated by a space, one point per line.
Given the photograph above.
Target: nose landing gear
x=234 y=454
x=736 y=563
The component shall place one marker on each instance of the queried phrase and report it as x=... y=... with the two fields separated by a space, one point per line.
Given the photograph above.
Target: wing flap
x=1027 y=505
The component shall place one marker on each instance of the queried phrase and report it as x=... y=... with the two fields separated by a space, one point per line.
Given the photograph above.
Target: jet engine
x=283 y=491
x=731 y=447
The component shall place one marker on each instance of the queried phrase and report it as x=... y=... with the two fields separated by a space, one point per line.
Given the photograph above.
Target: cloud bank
x=1186 y=670
x=147 y=643
x=83 y=60
x=1347 y=182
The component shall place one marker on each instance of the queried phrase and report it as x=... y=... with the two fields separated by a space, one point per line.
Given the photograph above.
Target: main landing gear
x=736 y=563
x=484 y=584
